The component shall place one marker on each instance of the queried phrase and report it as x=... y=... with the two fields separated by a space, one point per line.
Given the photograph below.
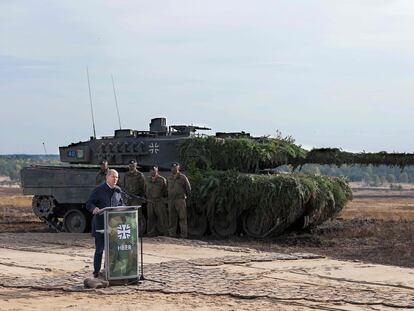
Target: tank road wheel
x=43 y=206
x=223 y=224
x=197 y=222
x=258 y=225
x=75 y=221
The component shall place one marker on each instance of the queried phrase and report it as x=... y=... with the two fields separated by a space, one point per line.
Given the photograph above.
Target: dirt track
x=45 y=271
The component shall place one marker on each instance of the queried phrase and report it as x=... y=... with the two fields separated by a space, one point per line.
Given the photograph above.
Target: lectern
x=121 y=243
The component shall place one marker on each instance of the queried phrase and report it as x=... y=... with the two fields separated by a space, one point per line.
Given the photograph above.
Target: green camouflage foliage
x=338 y=157
x=241 y=154
x=122 y=263
x=265 y=205
x=251 y=155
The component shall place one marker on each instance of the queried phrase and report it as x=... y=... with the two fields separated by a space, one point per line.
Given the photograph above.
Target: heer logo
x=154 y=148
x=124 y=232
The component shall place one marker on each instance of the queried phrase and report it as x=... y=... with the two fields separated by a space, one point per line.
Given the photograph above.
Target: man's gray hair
x=111 y=171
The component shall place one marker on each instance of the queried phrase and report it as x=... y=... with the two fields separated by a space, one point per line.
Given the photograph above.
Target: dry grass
x=16 y=213
x=377 y=226
x=16 y=201
x=10 y=191
x=373 y=240
x=382 y=208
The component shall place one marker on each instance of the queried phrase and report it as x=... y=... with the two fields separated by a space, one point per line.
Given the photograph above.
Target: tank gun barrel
x=189 y=128
x=339 y=157
x=200 y=128
x=253 y=155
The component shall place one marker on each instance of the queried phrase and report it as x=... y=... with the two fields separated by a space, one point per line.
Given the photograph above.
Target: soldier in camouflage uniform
x=134 y=183
x=178 y=190
x=156 y=193
x=101 y=177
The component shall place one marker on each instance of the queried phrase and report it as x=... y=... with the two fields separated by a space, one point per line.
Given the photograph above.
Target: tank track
x=44 y=207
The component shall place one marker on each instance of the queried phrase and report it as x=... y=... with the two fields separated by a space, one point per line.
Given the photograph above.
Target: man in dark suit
x=105 y=195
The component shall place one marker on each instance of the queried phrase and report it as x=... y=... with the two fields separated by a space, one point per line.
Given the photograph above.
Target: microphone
x=119 y=190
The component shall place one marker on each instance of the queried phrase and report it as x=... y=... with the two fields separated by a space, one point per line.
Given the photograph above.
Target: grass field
x=16 y=213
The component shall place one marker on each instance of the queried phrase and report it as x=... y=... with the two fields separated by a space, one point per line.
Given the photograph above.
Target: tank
x=60 y=192
x=235 y=186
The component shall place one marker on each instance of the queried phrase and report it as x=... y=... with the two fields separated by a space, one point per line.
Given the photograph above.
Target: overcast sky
x=329 y=73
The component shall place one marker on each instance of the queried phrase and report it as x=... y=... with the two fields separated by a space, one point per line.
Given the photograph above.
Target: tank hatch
x=186 y=129
x=159 y=126
x=125 y=133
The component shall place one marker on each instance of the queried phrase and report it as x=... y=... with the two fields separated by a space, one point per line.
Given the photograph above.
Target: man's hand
x=95 y=211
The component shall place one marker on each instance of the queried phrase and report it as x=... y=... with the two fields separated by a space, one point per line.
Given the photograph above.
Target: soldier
x=178 y=190
x=101 y=177
x=134 y=183
x=156 y=192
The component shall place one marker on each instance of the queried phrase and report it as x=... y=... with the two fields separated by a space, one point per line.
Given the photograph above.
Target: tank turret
x=158 y=146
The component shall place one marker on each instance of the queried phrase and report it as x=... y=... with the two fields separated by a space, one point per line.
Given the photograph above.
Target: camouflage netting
x=338 y=157
x=241 y=154
x=262 y=205
x=252 y=155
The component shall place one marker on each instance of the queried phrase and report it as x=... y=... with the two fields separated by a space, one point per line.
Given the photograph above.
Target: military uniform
x=156 y=192
x=134 y=183
x=101 y=177
x=178 y=190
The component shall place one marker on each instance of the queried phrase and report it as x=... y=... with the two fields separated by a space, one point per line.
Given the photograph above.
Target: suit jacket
x=103 y=196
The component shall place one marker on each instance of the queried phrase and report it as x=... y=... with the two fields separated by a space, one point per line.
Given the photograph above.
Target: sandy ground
x=45 y=271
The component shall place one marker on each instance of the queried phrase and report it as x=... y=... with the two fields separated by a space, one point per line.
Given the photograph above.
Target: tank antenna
x=116 y=102
x=90 y=100
x=44 y=148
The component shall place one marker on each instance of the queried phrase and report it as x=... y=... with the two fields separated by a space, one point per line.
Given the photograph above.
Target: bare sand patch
x=45 y=271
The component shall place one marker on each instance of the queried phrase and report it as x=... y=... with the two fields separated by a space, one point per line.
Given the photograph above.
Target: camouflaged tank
x=235 y=187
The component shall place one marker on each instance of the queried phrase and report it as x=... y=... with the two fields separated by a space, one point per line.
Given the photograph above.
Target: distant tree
x=370 y=169
x=376 y=181
x=404 y=177
x=411 y=177
x=311 y=170
x=366 y=179
x=331 y=171
x=391 y=178
x=383 y=179
x=395 y=187
x=11 y=165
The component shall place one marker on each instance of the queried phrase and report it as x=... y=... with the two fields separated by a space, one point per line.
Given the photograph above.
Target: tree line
x=10 y=165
